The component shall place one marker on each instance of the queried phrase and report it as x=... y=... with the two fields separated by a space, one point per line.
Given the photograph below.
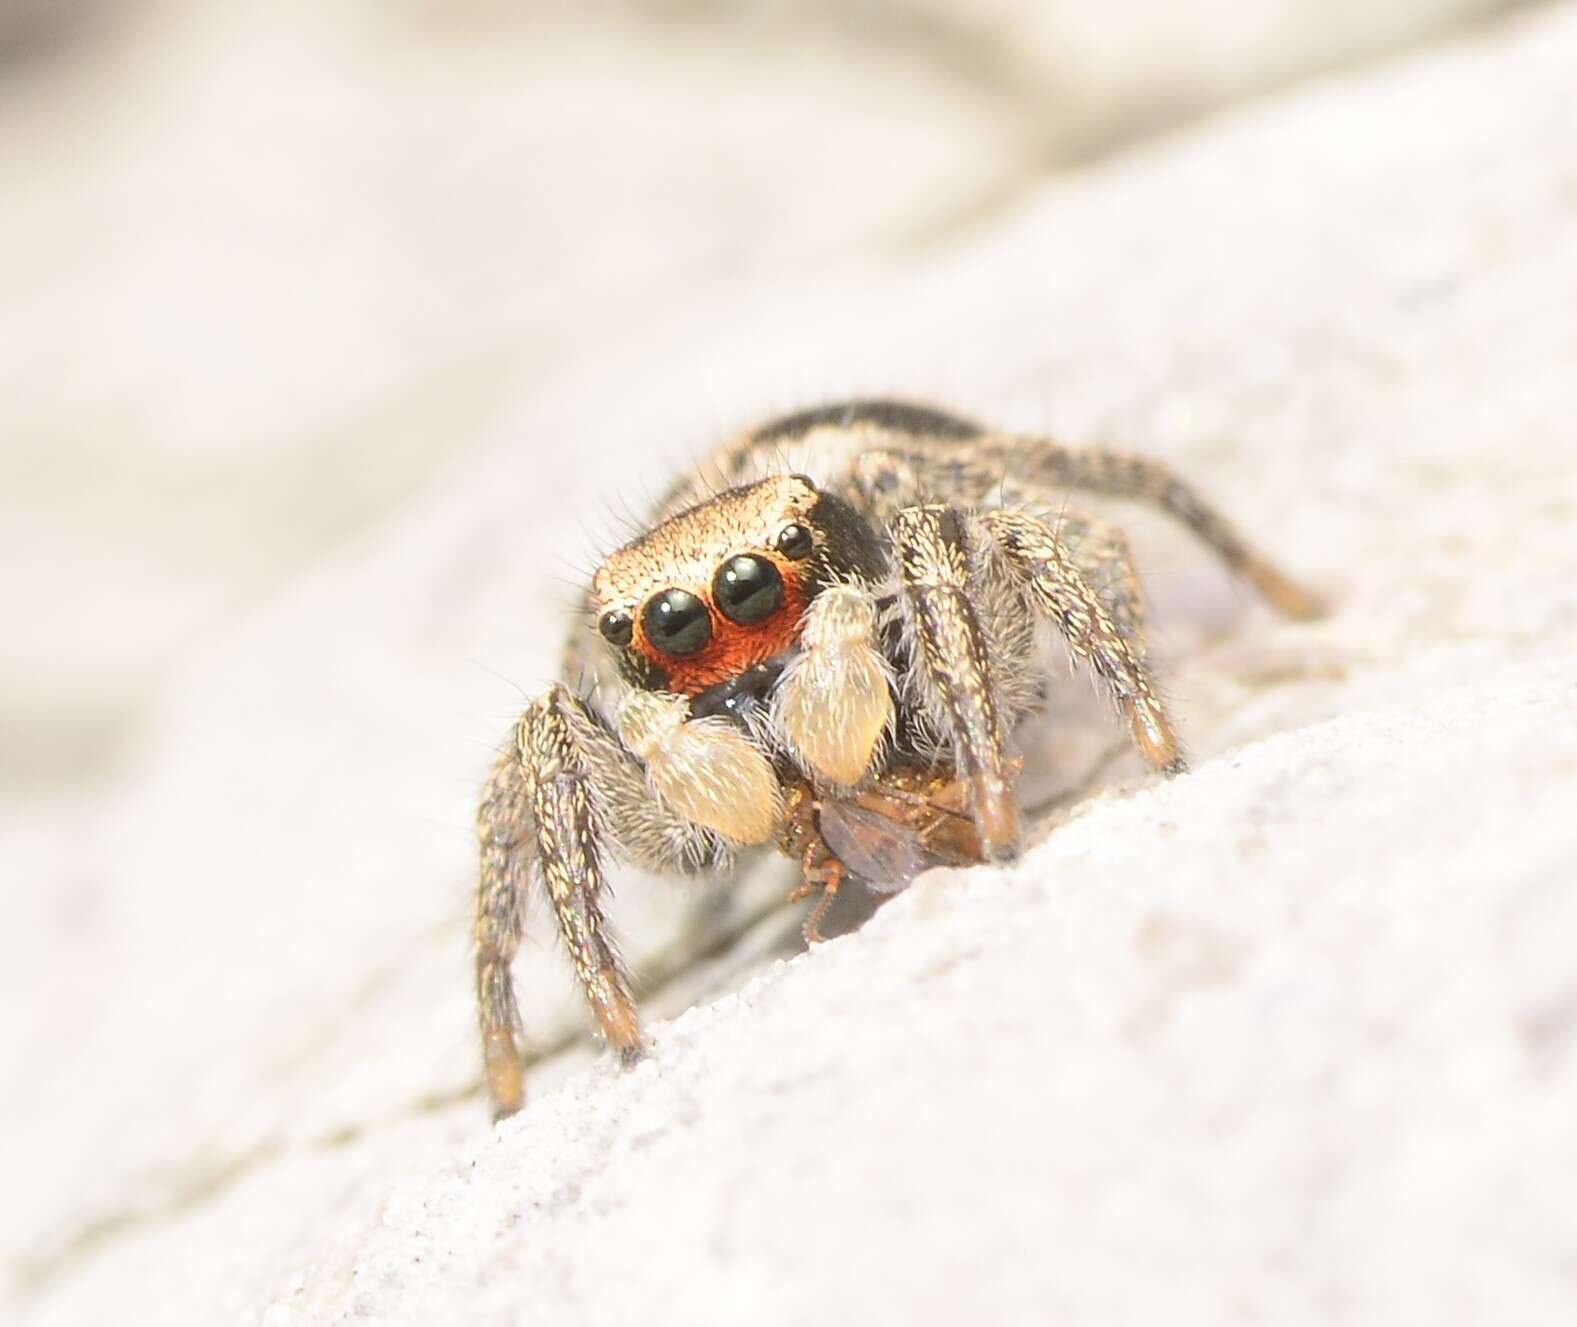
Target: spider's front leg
x=569 y=791
x=953 y=664
x=537 y=809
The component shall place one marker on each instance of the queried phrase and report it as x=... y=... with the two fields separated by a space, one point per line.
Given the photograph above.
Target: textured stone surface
x=1289 y=1039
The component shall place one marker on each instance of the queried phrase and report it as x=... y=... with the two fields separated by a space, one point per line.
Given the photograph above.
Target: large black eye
x=676 y=622
x=616 y=626
x=747 y=589
x=795 y=541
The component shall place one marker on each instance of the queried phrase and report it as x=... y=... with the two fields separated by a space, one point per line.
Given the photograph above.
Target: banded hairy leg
x=565 y=796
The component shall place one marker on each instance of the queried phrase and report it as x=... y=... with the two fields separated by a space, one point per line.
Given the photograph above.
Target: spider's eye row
x=617 y=626
x=794 y=541
x=676 y=622
x=747 y=589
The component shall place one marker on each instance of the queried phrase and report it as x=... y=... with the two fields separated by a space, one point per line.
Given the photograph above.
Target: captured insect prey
x=828 y=651
x=904 y=821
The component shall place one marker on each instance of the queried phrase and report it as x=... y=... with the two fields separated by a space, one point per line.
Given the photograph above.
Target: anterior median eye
x=676 y=622
x=747 y=589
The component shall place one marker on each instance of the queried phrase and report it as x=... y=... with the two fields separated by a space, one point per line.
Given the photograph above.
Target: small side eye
x=617 y=626
x=794 y=541
x=747 y=589
x=676 y=622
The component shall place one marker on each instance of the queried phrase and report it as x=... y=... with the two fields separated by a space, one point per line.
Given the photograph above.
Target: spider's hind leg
x=1050 y=466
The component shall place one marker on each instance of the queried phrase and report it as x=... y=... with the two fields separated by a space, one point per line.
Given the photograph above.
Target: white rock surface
x=1290 y=1039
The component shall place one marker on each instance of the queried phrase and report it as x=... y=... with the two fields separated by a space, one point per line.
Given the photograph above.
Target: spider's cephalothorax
x=840 y=637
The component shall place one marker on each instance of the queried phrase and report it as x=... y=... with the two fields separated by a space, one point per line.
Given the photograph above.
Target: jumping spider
x=841 y=635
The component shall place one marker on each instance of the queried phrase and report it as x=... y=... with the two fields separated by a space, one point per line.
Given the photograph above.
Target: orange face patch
x=734 y=647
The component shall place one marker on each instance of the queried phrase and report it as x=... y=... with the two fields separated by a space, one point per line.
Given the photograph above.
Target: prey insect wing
x=889 y=833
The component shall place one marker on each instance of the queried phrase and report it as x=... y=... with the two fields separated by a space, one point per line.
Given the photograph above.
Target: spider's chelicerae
x=840 y=636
